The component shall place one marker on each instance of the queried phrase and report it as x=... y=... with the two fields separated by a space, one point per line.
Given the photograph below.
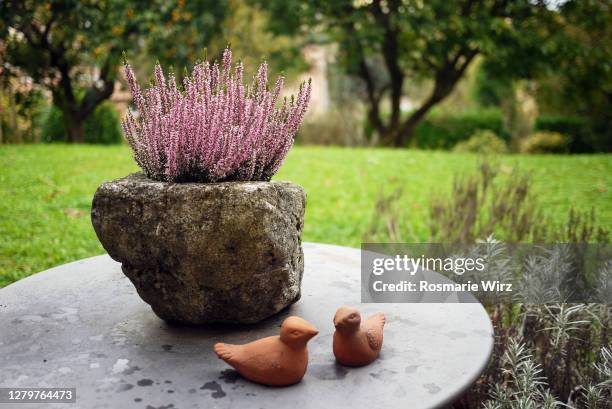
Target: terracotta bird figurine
x=357 y=343
x=275 y=361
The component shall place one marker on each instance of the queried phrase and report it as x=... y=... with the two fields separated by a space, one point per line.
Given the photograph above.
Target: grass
x=46 y=193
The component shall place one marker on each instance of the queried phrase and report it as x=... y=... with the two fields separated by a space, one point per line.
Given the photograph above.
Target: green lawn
x=46 y=193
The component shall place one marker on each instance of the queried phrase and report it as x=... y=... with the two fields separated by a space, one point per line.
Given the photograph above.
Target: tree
x=74 y=47
x=581 y=83
x=253 y=41
x=573 y=78
x=387 y=42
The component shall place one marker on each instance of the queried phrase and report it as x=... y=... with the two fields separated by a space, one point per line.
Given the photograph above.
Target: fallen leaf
x=74 y=213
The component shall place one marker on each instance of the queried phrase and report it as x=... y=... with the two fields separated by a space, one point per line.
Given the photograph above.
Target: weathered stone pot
x=204 y=253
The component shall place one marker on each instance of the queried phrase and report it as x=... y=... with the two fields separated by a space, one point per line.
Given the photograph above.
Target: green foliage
x=21 y=114
x=586 y=136
x=95 y=33
x=432 y=28
x=445 y=131
x=484 y=142
x=490 y=89
x=578 y=80
x=387 y=43
x=581 y=83
x=254 y=42
x=177 y=32
x=66 y=33
x=102 y=127
x=545 y=142
x=70 y=46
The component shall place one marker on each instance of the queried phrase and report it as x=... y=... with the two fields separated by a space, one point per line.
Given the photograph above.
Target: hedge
x=103 y=127
x=439 y=131
x=585 y=136
x=444 y=131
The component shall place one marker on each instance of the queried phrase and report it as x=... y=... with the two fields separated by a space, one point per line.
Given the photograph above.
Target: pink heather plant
x=214 y=129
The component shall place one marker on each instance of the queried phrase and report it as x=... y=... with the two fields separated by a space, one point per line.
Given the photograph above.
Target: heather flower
x=213 y=128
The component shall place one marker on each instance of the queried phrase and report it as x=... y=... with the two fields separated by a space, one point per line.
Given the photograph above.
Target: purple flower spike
x=214 y=129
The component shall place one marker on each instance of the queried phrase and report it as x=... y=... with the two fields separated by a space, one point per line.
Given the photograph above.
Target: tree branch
x=390 y=51
x=108 y=75
x=95 y=95
x=373 y=96
x=445 y=80
x=355 y=48
x=49 y=24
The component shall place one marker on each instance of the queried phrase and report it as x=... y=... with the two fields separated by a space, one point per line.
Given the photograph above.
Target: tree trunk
x=2 y=111
x=446 y=78
x=445 y=82
x=400 y=136
x=74 y=125
x=405 y=133
x=16 y=133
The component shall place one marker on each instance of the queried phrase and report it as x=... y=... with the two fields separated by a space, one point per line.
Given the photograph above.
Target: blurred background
x=535 y=75
x=437 y=120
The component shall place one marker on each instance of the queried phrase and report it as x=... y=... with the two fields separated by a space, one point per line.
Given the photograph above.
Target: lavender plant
x=213 y=128
x=545 y=355
x=523 y=386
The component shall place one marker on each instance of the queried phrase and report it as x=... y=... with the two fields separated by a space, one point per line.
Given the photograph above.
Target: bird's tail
x=224 y=351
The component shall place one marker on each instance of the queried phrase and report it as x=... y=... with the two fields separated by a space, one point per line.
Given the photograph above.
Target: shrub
x=214 y=129
x=483 y=141
x=481 y=205
x=484 y=203
x=545 y=142
x=101 y=127
x=586 y=136
x=439 y=131
x=21 y=114
x=53 y=126
x=105 y=127
x=444 y=131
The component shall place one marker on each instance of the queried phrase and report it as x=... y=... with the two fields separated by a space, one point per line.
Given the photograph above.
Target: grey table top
x=82 y=325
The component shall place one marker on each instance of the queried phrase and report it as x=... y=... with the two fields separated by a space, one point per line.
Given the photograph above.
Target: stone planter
x=205 y=253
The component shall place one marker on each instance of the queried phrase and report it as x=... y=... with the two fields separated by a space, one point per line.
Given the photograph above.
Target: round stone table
x=83 y=325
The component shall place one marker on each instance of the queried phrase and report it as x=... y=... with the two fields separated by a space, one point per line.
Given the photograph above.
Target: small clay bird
x=277 y=360
x=357 y=343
